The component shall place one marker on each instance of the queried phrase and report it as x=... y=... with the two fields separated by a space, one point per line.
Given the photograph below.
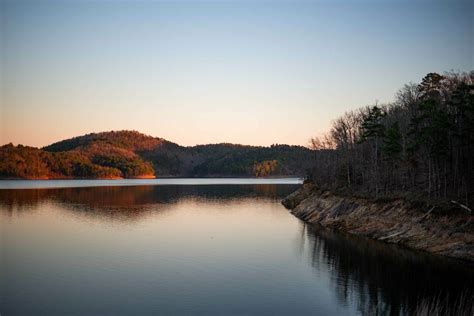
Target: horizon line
x=156 y=137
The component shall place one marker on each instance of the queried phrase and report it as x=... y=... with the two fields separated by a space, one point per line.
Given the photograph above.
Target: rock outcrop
x=413 y=225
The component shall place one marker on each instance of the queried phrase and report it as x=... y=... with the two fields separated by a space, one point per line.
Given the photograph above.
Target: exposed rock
x=295 y=198
x=396 y=221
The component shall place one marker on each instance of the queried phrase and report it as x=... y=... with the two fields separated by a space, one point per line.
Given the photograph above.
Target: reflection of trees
x=269 y=190
x=21 y=200
x=383 y=279
x=126 y=202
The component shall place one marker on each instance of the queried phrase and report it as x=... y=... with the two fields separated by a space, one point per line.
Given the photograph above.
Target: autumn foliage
x=130 y=154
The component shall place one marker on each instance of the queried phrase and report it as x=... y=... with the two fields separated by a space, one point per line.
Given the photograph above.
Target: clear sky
x=200 y=72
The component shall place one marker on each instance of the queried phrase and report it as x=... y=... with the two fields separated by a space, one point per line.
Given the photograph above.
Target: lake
x=172 y=246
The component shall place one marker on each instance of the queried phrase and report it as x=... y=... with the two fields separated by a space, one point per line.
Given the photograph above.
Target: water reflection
x=384 y=279
x=219 y=249
x=120 y=202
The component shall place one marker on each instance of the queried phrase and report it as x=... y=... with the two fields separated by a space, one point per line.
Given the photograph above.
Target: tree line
x=130 y=154
x=30 y=163
x=422 y=144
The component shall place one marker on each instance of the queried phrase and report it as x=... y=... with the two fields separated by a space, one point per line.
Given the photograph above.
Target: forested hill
x=421 y=144
x=130 y=154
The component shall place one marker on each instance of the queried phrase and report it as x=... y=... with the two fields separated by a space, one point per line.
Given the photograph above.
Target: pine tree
x=391 y=145
x=373 y=130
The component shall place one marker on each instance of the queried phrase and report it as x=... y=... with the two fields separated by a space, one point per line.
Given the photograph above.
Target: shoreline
x=76 y=183
x=150 y=177
x=448 y=233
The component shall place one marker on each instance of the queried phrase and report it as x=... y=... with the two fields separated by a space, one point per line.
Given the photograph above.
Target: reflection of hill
x=131 y=201
x=22 y=200
x=373 y=273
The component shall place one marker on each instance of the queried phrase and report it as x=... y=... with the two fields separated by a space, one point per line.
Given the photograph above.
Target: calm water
x=41 y=184
x=198 y=249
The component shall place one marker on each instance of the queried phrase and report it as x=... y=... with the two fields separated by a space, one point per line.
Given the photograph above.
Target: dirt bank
x=436 y=229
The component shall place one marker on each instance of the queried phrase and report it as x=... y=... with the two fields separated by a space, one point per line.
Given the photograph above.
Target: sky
x=197 y=72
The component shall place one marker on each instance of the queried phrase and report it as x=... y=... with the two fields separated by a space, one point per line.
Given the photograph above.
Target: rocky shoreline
x=429 y=228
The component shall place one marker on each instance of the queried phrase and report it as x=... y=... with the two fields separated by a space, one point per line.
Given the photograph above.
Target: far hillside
x=130 y=154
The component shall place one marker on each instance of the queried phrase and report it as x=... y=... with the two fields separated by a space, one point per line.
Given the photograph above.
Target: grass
x=463 y=305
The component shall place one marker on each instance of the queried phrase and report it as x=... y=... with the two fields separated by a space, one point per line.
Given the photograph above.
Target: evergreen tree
x=392 y=146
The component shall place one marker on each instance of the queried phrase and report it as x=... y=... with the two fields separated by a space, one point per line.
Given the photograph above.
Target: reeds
x=463 y=305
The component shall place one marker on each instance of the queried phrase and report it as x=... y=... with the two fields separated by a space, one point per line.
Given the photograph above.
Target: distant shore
x=156 y=177
x=78 y=183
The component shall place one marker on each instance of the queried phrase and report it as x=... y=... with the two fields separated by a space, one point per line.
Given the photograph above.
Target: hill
x=130 y=154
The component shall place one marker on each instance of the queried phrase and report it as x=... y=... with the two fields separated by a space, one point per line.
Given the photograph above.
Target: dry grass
x=463 y=305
